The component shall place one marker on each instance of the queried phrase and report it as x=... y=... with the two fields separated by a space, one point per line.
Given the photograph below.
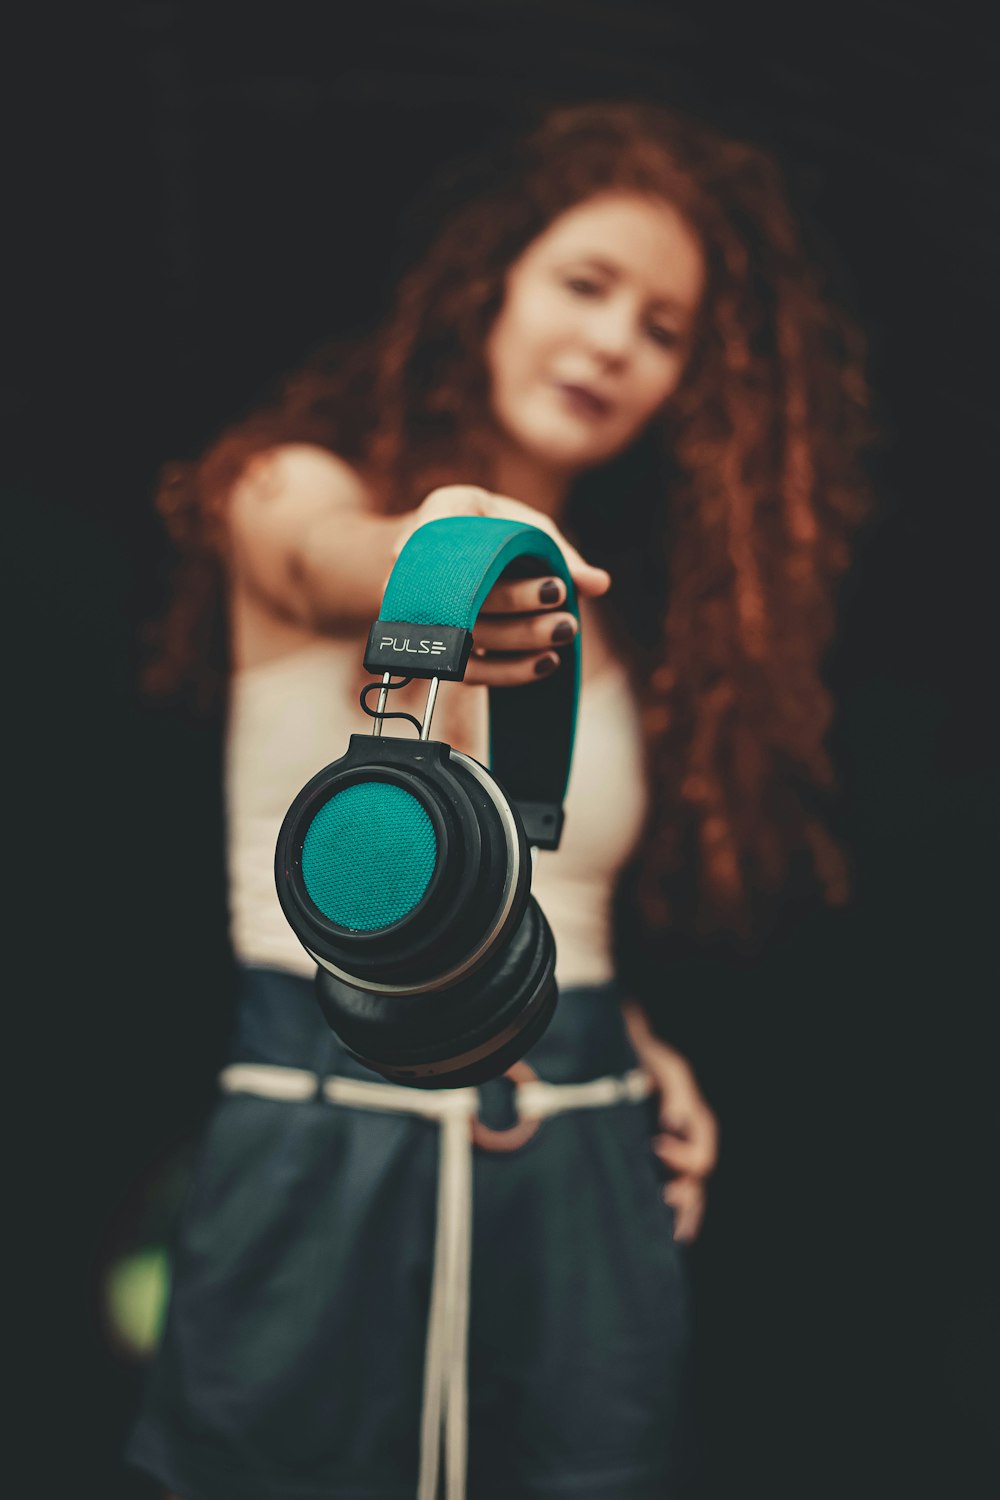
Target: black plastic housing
x=464 y=896
x=459 y=1036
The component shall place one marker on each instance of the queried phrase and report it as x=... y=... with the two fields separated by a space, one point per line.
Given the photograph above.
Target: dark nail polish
x=549 y=593
x=563 y=632
x=546 y=664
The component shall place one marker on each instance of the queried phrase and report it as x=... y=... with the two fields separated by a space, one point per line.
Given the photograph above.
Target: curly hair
x=725 y=526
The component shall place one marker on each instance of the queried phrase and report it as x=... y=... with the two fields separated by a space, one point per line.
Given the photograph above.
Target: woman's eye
x=667 y=338
x=582 y=286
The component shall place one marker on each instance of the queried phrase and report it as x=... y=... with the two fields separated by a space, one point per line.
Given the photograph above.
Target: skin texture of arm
x=305 y=544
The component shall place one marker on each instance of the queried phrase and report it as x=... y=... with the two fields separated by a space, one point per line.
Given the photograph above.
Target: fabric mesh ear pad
x=449 y=878
x=368 y=856
x=508 y=1003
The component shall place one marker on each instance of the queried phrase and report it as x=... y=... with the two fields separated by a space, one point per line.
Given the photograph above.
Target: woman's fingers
x=686 y=1197
x=522 y=595
x=510 y=650
x=521 y=625
x=695 y=1158
x=590 y=581
x=509 y=671
x=688 y=1120
x=523 y=632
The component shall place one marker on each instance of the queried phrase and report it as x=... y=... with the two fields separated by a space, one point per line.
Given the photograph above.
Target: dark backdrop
x=201 y=194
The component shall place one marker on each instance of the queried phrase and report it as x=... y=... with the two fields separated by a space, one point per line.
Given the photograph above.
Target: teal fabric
x=443 y=575
x=368 y=856
x=447 y=568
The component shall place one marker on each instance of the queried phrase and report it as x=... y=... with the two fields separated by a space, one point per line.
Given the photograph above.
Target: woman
x=621 y=341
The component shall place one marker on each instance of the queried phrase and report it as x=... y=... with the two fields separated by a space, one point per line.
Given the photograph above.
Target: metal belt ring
x=516 y=1135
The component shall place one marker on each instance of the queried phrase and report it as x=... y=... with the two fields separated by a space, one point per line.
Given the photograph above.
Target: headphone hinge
x=543 y=822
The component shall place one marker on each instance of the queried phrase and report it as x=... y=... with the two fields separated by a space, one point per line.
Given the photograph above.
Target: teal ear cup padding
x=442 y=577
x=368 y=856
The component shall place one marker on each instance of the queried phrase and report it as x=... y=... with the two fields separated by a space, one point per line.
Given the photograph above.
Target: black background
x=200 y=195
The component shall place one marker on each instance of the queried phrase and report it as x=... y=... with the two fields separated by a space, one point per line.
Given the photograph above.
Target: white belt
x=445 y=1362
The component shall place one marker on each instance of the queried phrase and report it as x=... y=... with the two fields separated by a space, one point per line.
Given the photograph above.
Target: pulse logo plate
x=417 y=650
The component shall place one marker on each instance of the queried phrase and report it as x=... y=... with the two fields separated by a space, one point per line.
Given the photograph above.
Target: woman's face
x=594 y=330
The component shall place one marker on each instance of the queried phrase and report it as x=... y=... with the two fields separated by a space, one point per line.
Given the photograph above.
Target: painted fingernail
x=563 y=632
x=546 y=664
x=550 y=592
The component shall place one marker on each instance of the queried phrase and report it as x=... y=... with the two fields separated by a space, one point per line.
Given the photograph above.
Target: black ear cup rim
x=480 y=895
x=456 y=833
x=435 y=1024
x=444 y=880
x=490 y=1019
x=398 y=1007
x=504 y=1057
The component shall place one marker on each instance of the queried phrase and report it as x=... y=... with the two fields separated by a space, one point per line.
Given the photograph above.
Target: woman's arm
x=304 y=541
x=308 y=552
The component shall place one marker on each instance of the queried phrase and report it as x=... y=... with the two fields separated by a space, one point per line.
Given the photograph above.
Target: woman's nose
x=610 y=331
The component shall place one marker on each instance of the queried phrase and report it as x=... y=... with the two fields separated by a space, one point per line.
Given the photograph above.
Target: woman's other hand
x=521 y=622
x=689 y=1140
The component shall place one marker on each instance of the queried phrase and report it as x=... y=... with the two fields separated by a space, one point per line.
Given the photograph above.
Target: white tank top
x=290 y=717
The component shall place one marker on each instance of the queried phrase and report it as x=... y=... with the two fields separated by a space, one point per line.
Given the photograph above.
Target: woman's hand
x=689 y=1143
x=520 y=621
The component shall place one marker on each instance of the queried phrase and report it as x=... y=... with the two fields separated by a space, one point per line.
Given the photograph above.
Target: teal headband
x=433 y=597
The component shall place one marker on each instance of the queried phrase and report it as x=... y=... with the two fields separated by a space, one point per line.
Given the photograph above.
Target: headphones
x=404 y=867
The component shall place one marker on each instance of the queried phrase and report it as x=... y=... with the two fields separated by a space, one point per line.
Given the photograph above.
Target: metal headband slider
x=418 y=650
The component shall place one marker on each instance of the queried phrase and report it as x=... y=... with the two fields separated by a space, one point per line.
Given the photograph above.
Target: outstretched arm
x=310 y=555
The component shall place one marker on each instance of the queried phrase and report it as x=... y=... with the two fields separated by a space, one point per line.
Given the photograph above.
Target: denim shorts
x=291 y=1363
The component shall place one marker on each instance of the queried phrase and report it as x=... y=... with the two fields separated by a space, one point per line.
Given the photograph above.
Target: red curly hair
x=725 y=526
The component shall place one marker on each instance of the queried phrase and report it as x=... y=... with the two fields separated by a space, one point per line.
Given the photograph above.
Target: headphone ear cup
x=478 y=1027
x=520 y=990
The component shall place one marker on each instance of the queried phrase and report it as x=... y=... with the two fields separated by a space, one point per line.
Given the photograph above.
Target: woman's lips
x=582 y=401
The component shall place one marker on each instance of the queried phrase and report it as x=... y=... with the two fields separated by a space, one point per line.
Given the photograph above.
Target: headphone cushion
x=509 y=991
x=511 y=979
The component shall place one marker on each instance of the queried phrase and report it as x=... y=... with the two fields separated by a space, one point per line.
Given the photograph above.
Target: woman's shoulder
x=304 y=471
x=281 y=493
